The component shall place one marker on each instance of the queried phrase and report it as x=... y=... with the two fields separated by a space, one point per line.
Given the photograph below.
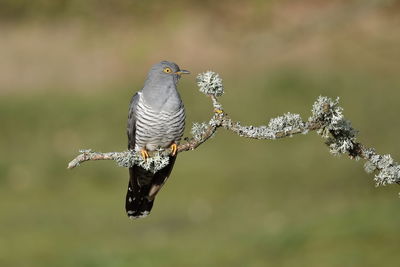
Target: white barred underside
x=158 y=129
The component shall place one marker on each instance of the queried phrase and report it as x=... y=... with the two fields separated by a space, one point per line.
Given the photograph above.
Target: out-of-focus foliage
x=106 y=9
x=73 y=8
x=65 y=85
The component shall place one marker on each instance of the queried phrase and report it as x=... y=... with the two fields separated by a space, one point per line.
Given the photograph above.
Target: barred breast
x=158 y=129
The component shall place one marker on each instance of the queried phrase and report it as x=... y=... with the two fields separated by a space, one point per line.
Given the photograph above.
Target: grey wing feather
x=131 y=127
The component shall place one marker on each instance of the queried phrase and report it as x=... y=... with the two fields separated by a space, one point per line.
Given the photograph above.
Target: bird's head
x=166 y=70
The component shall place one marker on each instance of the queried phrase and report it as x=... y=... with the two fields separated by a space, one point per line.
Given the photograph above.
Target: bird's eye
x=167 y=70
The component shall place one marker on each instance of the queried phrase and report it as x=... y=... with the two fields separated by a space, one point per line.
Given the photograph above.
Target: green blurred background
x=69 y=68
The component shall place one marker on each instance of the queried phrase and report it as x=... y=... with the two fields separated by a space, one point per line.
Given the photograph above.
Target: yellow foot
x=144 y=153
x=174 y=148
x=218 y=111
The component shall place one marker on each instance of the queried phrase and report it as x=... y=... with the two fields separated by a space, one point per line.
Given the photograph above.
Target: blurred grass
x=232 y=202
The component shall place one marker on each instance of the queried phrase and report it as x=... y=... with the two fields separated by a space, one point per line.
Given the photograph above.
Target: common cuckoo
x=156 y=120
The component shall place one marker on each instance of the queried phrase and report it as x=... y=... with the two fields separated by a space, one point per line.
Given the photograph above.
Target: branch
x=326 y=119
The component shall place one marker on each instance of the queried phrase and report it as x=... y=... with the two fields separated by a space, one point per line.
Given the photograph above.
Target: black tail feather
x=139 y=202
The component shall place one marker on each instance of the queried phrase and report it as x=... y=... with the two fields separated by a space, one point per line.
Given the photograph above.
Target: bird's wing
x=131 y=127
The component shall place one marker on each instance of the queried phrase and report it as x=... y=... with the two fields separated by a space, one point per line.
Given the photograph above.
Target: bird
x=156 y=120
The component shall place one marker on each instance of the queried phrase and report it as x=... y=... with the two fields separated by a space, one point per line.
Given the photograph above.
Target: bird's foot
x=219 y=111
x=144 y=153
x=174 y=149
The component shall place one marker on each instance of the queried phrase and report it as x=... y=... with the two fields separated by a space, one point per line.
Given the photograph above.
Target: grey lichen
x=386 y=169
x=282 y=126
x=343 y=136
x=369 y=167
x=158 y=160
x=198 y=130
x=388 y=175
x=126 y=159
x=339 y=145
x=261 y=132
x=286 y=123
x=338 y=131
x=327 y=112
x=85 y=151
x=341 y=139
x=210 y=83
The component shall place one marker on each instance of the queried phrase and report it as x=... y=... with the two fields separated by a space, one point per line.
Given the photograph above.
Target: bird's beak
x=180 y=72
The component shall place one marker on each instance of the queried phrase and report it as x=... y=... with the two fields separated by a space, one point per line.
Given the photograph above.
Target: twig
x=327 y=119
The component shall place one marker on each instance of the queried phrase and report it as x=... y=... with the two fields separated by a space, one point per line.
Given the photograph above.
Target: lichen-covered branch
x=326 y=119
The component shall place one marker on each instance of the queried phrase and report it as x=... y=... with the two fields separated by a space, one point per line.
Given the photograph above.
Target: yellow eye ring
x=167 y=70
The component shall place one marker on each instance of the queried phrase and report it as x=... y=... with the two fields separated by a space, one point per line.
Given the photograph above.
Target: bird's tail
x=137 y=203
x=143 y=187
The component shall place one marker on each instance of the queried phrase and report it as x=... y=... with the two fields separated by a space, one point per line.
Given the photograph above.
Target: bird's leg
x=144 y=153
x=174 y=148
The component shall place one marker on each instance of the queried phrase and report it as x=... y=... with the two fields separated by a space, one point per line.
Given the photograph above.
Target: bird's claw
x=174 y=149
x=144 y=153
